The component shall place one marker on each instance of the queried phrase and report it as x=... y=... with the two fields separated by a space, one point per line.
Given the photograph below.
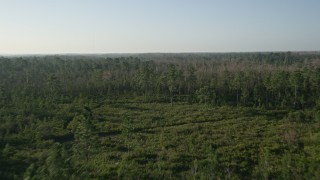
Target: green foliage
x=8 y=150
x=235 y=116
x=86 y=142
x=317 y=116
x=30 y=172
x=297 y=116
x=55 y=166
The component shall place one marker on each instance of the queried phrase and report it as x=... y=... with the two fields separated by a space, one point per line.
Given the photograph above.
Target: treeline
x=270 y=80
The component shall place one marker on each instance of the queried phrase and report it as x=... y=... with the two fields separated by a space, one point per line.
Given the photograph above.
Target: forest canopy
x=200 y=115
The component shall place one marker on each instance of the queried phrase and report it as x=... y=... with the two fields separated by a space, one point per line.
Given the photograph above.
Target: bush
x=317 y=116
x=299 y=116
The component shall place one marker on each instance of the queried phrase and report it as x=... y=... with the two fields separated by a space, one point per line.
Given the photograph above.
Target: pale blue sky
x=133 y=26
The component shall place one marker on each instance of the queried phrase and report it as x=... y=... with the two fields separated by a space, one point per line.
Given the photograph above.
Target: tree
x=296 y=81
x=236 y=85
x=203 y=94
x=263 y=169
x=191 y=78
x=258 y=92
x=86 y=139
x=2 y=96
x=30 y=172
x=55 y=166
x=172 y=81
x=280 y=84
x=210 y=167
x=127 y=132
x=144 y=77
x=53 y=83
x=286 y=163
x=180 y=79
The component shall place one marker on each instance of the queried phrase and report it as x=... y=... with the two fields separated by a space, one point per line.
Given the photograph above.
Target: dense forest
x=161 y=116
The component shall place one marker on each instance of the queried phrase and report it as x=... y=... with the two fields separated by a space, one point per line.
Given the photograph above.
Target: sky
x=146 y=26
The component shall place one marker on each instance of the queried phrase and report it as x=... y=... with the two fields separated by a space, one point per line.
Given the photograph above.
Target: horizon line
x=155 y=52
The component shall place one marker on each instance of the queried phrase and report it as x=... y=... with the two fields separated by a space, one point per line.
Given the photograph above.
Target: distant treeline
x=271 y=80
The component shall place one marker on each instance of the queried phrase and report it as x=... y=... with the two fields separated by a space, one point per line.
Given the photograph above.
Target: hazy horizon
x=115 y=27
x=141 y=53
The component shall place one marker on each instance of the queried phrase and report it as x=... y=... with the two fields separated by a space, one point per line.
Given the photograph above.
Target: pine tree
x=86 y=140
